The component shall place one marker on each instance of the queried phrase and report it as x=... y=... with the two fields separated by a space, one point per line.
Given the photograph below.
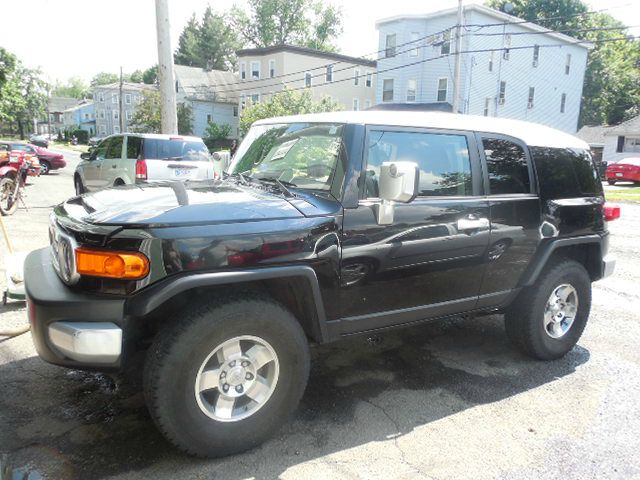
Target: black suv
x=326 y=225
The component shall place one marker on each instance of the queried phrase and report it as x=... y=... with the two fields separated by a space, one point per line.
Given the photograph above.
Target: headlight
x=63 y=253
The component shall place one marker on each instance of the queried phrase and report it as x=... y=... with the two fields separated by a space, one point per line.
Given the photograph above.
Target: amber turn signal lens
x=103 y=263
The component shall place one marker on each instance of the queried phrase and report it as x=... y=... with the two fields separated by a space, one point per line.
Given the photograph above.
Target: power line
x=595 y=29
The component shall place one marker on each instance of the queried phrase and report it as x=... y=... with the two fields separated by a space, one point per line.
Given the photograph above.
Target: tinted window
x=445 y=166
x=175 y=149
x=134 y=144
x=507 y=167
x=565 y=173
x=101 y=150
x=114 y=150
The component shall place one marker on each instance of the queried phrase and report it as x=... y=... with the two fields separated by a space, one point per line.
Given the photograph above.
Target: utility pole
x=49 y=114
x=165 y=70
x=120 y=116
x=456 y=72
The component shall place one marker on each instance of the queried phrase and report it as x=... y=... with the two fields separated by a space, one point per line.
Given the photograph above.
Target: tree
x=104 y=78
x=287 y=102
x=210 y=43
x=150 y=75
x=147 y=117
x=295 y=22
x=23 y=97
x=7 y=65
x=217 y=131
x=74 y=87
x=136 y=76
x=611 y=92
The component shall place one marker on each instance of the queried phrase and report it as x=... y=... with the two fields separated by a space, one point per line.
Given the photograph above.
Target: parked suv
x=128 y=158
x=328 y=225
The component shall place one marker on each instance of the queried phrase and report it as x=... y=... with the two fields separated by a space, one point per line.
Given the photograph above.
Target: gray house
x=106 y=99
x=207 y=92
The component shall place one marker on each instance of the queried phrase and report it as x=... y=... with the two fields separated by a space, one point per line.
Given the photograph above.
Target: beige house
x=350 y=81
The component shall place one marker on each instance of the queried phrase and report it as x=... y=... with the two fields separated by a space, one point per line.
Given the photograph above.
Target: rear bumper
x=72 y=329
x=608 y=265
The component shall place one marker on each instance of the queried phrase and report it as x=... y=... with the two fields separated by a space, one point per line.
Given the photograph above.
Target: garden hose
x=15 y=332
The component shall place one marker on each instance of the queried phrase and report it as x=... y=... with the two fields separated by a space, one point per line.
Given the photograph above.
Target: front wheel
x=8 y=204
x=45 y=167
x=225 y=376
x=547 y=319
x=611 y=182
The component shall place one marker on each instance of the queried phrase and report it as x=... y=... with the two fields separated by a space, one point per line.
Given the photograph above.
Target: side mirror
x=85 y=156
x=398 y=183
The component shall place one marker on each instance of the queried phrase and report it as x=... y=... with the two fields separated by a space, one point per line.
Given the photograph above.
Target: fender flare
x=149 y=299
x=8 y=171
x=544 y=253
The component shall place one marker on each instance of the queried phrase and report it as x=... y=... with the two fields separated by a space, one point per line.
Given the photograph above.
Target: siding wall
x=609 y=153
x=221 y=113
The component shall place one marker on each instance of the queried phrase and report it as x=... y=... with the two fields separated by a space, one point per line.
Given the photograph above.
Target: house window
x=127 y=98
x=445 y=47
x=86 y=116
x=356 y=77
x=356 y=104
x=369 y=80
x=532 y=92
x=442 y=89
x=487 y=106
x=536 y=55
x=101 y=114
x=563 y=102
x=415 y=36
x=367 y=104
x=272 y=68
x=505 y=54
x=307 y=79
x=329 y=73
x=116 y=115
x=116 y=129
x=387 y=90
x=101 y=97
x=632 y=144
x=390 y=45
x=503 y=90
x=491 y=61
x=209 y=118
x=128 y=114
x=114 y=98
x=235 y=110
x=567 y=65
x=255 y=69
x=102 y=130
x=255 y=98
x=242 y=101
x=411 y=90
x=243 y=70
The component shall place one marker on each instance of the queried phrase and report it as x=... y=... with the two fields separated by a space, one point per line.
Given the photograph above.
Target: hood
x=176 y=204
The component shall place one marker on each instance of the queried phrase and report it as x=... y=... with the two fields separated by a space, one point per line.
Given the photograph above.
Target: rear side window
x=507 y=167
x=114 y=150
x=565 y=173
x=443 y=159
x=134 y=144
x=175 y=149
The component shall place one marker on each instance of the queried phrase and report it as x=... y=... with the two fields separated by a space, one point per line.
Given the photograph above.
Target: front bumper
x=69 y=328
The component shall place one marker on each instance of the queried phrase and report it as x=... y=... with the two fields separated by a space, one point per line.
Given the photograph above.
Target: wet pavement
x=443 y=400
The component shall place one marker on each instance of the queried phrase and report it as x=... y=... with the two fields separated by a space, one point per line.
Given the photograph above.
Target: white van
x=129 y=158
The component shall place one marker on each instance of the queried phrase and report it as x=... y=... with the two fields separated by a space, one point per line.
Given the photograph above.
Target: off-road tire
x=524 y=319
x=9 y=183
x=177 y=353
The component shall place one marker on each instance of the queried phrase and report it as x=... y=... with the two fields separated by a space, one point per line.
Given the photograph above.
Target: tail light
x=611 y=212
x=141 y=169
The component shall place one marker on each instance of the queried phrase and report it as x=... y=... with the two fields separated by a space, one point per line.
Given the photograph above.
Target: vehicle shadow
x=71 y=424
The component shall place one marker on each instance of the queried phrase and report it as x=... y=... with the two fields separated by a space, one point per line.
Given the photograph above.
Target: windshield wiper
x=280 y=184
x=240 y=176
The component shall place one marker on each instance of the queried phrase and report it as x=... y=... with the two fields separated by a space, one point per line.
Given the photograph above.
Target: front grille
x=62 y=253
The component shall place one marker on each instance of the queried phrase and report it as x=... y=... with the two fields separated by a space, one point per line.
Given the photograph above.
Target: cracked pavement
x=449 y=399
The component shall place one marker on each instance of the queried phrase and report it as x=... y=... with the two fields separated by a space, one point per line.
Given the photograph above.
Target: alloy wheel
x=561 y=310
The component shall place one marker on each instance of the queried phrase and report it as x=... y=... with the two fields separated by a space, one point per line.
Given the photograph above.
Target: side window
x=114 y=150
x=101 y=150
x=572 y=171
x=507 y=167
x=443 y=159
x=134 y=145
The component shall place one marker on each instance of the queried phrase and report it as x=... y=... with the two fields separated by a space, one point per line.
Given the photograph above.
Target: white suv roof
x=532 y=134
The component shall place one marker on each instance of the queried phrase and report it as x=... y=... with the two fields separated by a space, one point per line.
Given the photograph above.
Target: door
x=92 y=167
x=431 y=259
x=514 y=212
x=112 y=164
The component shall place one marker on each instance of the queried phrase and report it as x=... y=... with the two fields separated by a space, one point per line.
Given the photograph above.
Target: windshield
x=303 y=155
x=175 y=149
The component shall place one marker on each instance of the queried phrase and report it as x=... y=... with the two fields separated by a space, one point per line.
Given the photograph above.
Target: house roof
x=630 y=127
x=60 y=104
x=126 y=86
x=84 y=103
x=207 y=85
x=498 y=15
x=592 y=134
x=532 y=134
x=311 y=52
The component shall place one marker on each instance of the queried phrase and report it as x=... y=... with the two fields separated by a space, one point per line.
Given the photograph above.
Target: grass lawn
x=631 y=194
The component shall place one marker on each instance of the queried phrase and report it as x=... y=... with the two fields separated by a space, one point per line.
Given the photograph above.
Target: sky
x=66 y=38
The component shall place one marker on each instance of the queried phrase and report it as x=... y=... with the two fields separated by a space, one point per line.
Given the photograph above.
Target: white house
x=622 y=141
x=350 y=81
x=509 y=68
x=211 y=96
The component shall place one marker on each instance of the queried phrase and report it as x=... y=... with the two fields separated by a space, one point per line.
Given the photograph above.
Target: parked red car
x=627 y=170
x=48 y=160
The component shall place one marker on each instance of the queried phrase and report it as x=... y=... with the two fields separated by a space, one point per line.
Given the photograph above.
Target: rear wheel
x=45 y=167
x=226 y=376
x=8 y=205
x=611 y=182
x=547 y=319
